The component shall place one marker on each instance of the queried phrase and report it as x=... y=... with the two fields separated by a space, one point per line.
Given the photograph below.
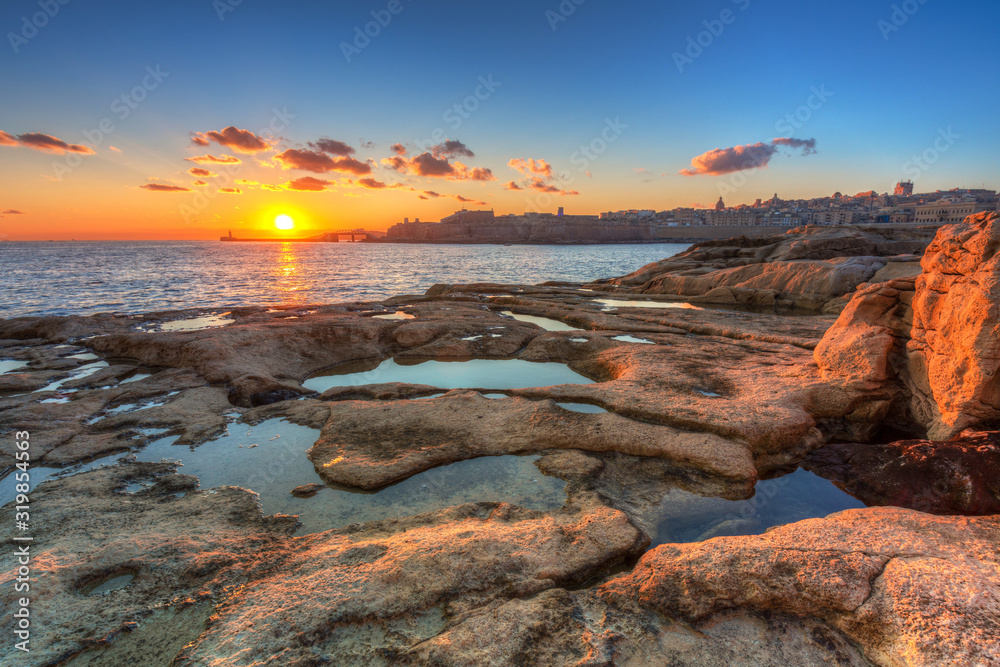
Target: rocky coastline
x=868 y=358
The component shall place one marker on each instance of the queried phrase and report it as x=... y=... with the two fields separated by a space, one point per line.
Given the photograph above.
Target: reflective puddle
x=687 y=517
x=75 y=374
x=544 y=322
x=270 y=459
x=8 y=365
x=395 y=316
x=633 y=339
x=474 y=373
x=192 y=324
x=618 y=303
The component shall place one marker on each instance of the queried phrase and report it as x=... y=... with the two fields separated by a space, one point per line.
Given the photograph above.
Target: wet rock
x=175 y=546
x=306 y=490
x=958 y=476
x=371 y=444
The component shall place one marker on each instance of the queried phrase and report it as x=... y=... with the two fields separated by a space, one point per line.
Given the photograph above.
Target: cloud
x=331 y=147
x=241 y=141
x=430 y=194
x=372 y=184
x=398 y=149
x=272 y=188
x=808 y=146
x=11 y=211
x=246 y=181
x=203 y=173
x=114 y=149
x=431 y=166
x=161 y=187
x=43 y=142
x=537 y=176
x=452 y=148
x=320 y=163
x=308 y=184
x=531 y=166
x=211 y=159
x=721 y=161
x=199 y=183
x=231 y=191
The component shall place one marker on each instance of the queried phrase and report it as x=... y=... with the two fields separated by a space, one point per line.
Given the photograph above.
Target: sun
x=284 y=222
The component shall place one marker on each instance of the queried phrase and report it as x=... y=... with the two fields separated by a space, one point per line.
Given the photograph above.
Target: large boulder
x=934 y=338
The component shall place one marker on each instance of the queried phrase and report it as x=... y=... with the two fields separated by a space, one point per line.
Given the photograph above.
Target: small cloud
x=331 y=147
x=452 y=148
x=233 y=138
x=398 y=149
x=200 y=172
x=741 y=158
x=199 y=183
x=308 y=184
x=538 y=177
x=272 y=188
x=531 y=166
x=211 y=159
x=431 y=166
x=231 y=191
x=43 y=142
x=114 y=149
x=367 y=144
x=162 y=187
x=320 y=163
x=246 y=181
x=11 y=211
x=371 y=183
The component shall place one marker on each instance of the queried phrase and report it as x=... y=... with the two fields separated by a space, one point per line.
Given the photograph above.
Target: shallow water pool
x=474 y=373
x=687 y=517
x=270 y=459
x=546 y=323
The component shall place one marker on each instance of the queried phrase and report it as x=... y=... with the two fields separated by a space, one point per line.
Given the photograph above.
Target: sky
x=188 y=119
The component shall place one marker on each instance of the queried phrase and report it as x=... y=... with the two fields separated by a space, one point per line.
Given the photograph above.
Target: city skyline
x=209 y=116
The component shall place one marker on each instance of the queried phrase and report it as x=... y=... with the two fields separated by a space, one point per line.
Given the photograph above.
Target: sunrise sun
x=284 y=222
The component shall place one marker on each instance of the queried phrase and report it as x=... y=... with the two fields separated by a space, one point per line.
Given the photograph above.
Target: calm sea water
x=139 y=276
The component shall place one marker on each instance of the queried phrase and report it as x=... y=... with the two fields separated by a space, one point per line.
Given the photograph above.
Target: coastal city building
x=647 y=225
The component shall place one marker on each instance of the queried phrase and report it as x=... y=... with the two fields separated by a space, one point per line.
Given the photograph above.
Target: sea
x=87 y=277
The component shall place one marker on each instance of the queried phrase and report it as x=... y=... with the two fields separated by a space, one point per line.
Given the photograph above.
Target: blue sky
x=890 y=92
